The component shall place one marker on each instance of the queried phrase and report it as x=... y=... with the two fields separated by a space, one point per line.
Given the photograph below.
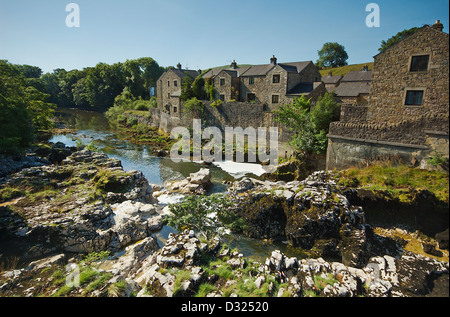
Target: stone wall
x=385 y=126
x=229 y=114
x=408 y=131
x=345 y=152
x=392 y=77
x=415 y=139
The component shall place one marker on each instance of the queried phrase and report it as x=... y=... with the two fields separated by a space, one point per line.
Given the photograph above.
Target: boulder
x=197 y=183
x=442 y=239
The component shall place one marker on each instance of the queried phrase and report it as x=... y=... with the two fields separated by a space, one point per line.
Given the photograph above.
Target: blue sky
x=200 y=33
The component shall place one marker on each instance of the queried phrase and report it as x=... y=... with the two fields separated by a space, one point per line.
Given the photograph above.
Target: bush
x=194 y=107
x=205 y=214
x=311 y=124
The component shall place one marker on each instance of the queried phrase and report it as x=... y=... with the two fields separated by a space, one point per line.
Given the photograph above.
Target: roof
x=299 y=65
x=425 y=27
x=262 y=70
x=358 y=76
x=215 y=71
x=258 y=70
x=331 y=79
x=352 y=89
x=183 y=72
x=302 y=88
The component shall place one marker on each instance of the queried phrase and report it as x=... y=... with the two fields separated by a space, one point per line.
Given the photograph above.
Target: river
x=93 y=128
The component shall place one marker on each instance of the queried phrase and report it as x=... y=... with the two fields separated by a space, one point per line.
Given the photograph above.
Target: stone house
x=407 y=112
x=227 y=82
x=269 y=84
x=168 y=89
x=354 y=88
x=331 y=81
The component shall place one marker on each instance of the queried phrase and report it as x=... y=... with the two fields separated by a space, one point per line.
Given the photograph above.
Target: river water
x=93 y=128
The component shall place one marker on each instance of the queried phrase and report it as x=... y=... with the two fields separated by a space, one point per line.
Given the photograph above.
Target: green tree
x=29 y=71
x=198 y=88
x=186 y=88
x=311 y=124
x=205 y=214
x=332 y=54
x=23 y=110
x=194 y=107
x=396 y=38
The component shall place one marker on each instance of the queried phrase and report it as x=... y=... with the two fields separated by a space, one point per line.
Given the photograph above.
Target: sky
x=201 y=34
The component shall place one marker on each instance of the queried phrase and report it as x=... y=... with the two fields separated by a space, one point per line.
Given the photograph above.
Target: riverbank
x=89 y=213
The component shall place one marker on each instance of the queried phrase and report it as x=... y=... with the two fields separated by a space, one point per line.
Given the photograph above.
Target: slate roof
x=302 y=88
x=358 y=76
x=214 y=72
x=352 y=89
x=299 y=65
x=258 y=70
x=182 y=73
x=331 y=79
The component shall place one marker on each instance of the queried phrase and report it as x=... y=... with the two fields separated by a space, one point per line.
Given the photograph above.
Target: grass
x=398 y=180
x=344 y=70
x=414 y=242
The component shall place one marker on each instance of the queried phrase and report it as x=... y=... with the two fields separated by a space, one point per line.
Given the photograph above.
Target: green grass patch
x=398 y=180
x=344 y=70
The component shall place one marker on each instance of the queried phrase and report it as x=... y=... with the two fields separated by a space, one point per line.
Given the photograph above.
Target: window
x=251 y=97
x=414 y=97
x=222 y=81
x=168 y=95
x=222 y=97
x=275 y=98
x=168 y=83
x=419 y=63
x=251 y=80
x=175 y=109
x=175 y=83
x=276 y=79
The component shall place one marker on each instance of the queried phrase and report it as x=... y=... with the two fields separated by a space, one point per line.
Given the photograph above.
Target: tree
x=194 y=107
x=23 y=110
x=396 y=38
x=332 y=55
x=205 y=214
x=186 y=88
x=311 y=124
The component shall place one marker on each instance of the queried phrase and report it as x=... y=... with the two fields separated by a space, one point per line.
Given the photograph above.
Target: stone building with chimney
x=407 y=113
x=270 y=84
x=168 y=89
x=354 y=88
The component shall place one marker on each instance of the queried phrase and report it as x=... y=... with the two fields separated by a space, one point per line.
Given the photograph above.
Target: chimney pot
x=438 y=26
x=179 y=66
x=234 y=64
x=273 y=60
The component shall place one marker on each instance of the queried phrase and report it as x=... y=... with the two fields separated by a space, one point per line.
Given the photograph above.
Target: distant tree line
x=98 y=86
x=24 y=109
x=28 y=98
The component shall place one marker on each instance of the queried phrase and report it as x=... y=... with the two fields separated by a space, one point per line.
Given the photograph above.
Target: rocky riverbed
x=87 y=218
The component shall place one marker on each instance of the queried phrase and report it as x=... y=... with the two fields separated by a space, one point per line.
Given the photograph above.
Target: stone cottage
x=270 y=84
x=407 y=113
x=354 y=88
x=331 y=81
x=168 y=89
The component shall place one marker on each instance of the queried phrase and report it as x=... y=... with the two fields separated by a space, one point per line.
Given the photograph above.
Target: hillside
x=343 y=70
